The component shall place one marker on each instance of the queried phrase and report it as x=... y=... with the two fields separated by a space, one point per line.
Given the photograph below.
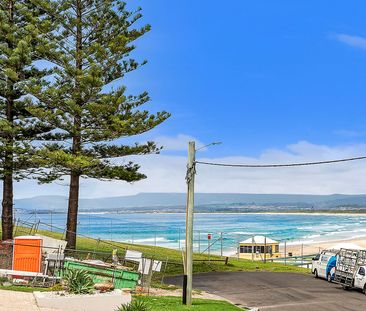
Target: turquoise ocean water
x=168 y=230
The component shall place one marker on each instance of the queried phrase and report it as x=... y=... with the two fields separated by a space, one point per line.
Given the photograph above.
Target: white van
x=324 y=263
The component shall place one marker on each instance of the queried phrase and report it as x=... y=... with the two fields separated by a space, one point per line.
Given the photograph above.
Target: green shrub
x=4 y=279
x=135 y=305
x=78 y=282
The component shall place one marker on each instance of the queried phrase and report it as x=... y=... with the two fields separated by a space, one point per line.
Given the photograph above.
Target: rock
x=20 y=281
x=6 y=284
x=126 y=290
x=138 y=289
x=104 y=287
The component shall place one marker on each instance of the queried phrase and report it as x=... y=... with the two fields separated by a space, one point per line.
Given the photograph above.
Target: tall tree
x=95 y=42
x=23 y=30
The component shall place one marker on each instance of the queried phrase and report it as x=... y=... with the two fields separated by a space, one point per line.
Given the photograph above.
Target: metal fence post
x=209 y=250
x=51 y=220
x=265 y=249
x=179 y=238
x=89 y=226
x=238 y=248
x=221 y=243
x=285 y=253
x=199 y=241
x=111 y=230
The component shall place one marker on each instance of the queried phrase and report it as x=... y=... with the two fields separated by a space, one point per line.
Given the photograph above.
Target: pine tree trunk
x=7 y=205
x=7 y=202
x=72 y=213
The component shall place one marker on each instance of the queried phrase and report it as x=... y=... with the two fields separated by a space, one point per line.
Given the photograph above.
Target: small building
x=259 y=247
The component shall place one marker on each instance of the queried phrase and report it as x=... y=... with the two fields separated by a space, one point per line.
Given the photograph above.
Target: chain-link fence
x=25 y=262
x=205 y=242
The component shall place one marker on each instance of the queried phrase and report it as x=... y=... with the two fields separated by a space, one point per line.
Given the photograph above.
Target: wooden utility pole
x=191 y=170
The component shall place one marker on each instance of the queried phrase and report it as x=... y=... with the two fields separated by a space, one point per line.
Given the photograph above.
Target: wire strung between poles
x=280 y=165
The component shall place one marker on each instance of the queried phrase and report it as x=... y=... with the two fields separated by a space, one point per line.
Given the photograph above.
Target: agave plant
x=135 y=305
x=78 y=282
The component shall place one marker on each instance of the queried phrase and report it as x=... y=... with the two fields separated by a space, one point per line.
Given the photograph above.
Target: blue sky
x=255 y=74
x=275 y=81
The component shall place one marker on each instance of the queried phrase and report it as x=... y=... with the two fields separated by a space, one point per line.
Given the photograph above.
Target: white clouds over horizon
x=166 y=173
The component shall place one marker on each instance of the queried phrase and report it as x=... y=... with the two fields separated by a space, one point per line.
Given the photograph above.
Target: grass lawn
x=174 y=257
x=175 y=304
x=24 y=288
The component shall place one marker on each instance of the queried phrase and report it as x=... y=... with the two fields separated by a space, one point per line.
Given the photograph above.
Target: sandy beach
x=307 y=248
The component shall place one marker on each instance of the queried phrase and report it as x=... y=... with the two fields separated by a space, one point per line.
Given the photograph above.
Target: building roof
x=259 y=239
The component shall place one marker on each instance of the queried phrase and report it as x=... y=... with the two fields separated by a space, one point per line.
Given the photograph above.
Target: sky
x=274 y=81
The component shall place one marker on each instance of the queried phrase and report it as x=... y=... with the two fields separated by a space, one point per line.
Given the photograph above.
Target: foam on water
x=168 y=230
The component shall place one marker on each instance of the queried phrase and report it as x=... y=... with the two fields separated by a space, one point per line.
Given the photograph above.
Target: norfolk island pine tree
x=95 y=39
x=24 y=39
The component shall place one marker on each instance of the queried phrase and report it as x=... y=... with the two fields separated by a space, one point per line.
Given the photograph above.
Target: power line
x=280 y=165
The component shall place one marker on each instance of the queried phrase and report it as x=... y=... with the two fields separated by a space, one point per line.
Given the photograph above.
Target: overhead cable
x=280 y=165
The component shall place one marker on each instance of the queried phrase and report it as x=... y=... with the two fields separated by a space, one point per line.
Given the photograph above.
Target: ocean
x=168 y=230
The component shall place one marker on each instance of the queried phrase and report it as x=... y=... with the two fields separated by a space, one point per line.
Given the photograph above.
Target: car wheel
x=364 y=289
x=316 y=273
x=329 y=278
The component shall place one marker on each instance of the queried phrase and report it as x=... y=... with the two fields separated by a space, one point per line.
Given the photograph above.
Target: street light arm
x=211 y=144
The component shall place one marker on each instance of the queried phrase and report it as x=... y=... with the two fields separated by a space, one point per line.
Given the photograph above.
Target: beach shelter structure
x=259 y=247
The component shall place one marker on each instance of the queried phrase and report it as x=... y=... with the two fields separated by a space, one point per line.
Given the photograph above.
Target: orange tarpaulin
x=27 y=254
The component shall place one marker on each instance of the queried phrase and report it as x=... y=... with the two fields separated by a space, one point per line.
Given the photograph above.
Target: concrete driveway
x=18 y=301
x=277 y=291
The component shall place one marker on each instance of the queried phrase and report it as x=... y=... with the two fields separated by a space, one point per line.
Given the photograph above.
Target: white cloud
x=166 y=173
x=177 y=143
x=354 y=41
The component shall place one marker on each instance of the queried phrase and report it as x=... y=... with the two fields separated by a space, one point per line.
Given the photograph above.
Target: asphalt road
x=277 y=291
